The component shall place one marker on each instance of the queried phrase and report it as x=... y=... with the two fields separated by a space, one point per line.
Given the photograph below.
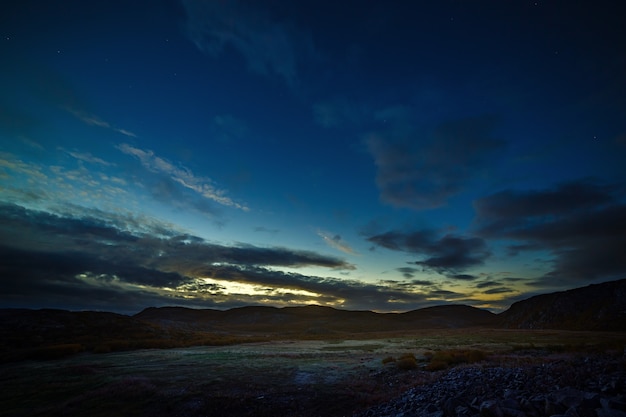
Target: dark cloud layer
x=448 y=254
x=423 y=170
x=76 y=261
x=87 y=234
x=582 y=223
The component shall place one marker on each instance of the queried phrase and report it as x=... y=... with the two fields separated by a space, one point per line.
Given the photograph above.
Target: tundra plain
x=337 y=376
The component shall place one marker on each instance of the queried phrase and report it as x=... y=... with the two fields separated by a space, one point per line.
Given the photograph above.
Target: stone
x=568 y=397
x=450 y=406
x=490 y=408
x=617 y=404
x=510 y=403
x=552 y=407
x=512 y=412
x=608 y=412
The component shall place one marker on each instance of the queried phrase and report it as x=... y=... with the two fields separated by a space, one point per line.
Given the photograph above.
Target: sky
x=363 y=155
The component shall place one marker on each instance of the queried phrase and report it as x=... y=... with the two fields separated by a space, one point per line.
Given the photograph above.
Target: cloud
x=498 y=290
x=463 y=277
x=88 y=157
x=448 y=254
x=49 y=86
x=262 y=229
x=268 y=45
x=119 y=239
x=486 y=284
x=31 y=143
x=179 y=175
x=336 y=242
x=58 y=184
x=228 y=128
x=33 y=172
x=90 y=259
x=421 y=170
x=581 y=223
x=407 y=272
x=93 y=120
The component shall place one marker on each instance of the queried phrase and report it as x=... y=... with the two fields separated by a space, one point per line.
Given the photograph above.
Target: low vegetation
x=56 y=349
x=438 y=360
x=443 y=359
x=407 y=361
x=330 y=377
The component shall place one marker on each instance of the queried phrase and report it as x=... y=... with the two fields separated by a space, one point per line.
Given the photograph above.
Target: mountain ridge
x=317 y=319
x=594 y=307
x=597 y=307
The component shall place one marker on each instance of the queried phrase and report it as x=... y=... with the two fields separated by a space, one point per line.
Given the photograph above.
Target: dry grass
x=330 y=377
x=443 y=359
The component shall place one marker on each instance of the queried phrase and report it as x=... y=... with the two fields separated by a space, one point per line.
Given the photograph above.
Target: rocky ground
x=324 y=378
x=556 y=385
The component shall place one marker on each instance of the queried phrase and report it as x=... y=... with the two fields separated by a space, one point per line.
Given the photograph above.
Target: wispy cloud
x=93 y=120
x=180 y=175
x=31 y=143
x=269 y=46
x=263 y=229
x=88 y=157
x=422 y=170
x=335 y=241
x=229 y=128
x=61 y=184
x=12 y=164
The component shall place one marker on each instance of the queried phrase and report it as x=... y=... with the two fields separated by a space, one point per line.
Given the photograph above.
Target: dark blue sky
x=362 y=155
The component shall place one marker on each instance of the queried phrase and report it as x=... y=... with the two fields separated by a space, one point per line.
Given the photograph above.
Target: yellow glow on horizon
x=225 y=287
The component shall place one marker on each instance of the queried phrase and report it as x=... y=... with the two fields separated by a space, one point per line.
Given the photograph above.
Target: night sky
x=371 y=155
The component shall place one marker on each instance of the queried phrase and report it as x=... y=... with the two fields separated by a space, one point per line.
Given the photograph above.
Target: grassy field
x=281 y=377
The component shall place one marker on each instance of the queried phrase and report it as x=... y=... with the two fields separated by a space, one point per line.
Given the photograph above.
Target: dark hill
x=451 y=316
x=61 y=326
x=316 y=319
x=51 y=333
x=595 y=307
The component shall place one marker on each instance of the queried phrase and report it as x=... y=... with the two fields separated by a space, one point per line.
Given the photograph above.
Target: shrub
x=406 y=362
x=436 y=365
x=443 y=359
x=388 y=359
x=476 y=355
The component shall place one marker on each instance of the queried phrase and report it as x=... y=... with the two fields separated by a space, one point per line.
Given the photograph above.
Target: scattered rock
x=567 y=387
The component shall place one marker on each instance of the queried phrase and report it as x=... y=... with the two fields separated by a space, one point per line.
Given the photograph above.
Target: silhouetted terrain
x=316 y=319
x=50 y=333
x=595 y=307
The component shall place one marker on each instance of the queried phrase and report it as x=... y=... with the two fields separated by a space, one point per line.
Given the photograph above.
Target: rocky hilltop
x=595 y=307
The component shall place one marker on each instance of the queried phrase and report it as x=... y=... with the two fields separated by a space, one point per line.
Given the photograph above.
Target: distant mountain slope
x=451 y=316
x=35 y=333
x=316 y=319
x=61 y=326
x=595 y=307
